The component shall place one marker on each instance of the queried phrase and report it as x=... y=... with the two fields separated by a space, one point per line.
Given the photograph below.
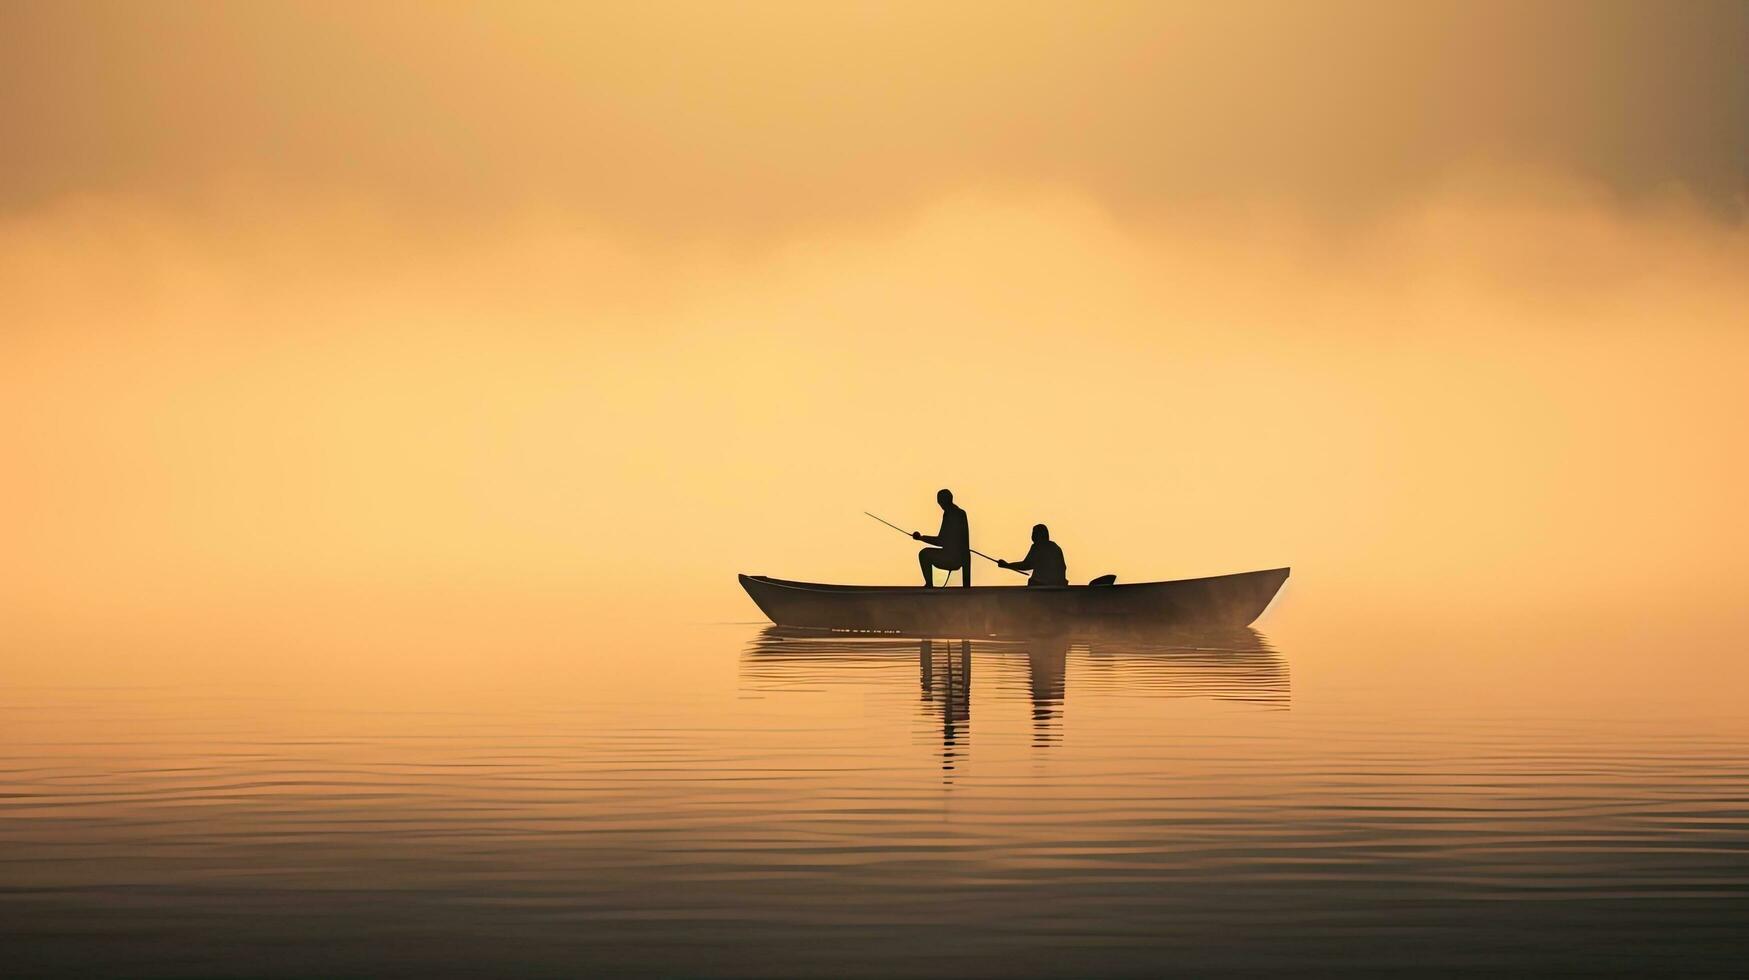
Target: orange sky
x=1441 y=306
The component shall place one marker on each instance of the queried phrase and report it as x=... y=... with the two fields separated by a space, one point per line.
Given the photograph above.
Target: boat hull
x=1218 y=601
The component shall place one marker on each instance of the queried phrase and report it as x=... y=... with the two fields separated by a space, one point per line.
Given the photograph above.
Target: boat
x=992 y=610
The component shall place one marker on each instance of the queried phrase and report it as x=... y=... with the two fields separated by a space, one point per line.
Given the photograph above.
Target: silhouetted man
x=1044 y=561
x=953 y=543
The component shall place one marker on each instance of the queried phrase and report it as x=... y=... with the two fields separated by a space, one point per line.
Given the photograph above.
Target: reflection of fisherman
x=1046 y=660
x=953 y=545
x=1044 y=561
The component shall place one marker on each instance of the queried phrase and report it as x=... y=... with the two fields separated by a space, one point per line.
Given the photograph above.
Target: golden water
x=543 y=789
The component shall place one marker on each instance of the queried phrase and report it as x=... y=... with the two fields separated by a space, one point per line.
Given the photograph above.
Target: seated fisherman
x=1045 y=560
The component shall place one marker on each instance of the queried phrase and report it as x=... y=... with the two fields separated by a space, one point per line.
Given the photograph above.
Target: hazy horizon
x=620 y=304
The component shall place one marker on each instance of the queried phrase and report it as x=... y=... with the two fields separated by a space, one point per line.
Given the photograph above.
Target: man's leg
x=966 y=572
x=926 y=559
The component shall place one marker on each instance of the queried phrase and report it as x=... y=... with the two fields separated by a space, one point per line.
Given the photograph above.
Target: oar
x=974 y=551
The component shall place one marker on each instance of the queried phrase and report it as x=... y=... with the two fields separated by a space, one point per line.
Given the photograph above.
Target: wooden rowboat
x=1220 y=601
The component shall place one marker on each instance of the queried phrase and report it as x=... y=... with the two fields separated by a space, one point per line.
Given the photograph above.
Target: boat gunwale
x=830 y=588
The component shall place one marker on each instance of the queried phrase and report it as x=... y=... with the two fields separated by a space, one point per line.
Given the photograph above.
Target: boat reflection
x=1230 y=665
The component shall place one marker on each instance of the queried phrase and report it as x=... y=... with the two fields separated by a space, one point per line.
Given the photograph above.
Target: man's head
x=944 y=498
x=1041 y=533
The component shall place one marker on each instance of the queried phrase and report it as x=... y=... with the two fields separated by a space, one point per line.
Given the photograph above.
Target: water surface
x=383 y=797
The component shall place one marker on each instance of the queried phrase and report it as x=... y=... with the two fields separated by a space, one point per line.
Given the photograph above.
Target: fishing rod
x=974 y=551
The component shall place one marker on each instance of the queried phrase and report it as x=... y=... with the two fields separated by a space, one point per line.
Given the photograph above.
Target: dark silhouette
x=1044 y=560
x=953 y=543
x=1215 y=602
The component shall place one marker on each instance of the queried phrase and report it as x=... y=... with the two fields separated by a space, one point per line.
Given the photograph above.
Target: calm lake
x=536 y=791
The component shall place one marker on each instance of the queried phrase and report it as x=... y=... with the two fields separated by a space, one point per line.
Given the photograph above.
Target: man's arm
x=1024 y=564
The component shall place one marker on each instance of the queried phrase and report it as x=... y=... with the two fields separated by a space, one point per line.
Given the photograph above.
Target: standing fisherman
x=953 y=543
